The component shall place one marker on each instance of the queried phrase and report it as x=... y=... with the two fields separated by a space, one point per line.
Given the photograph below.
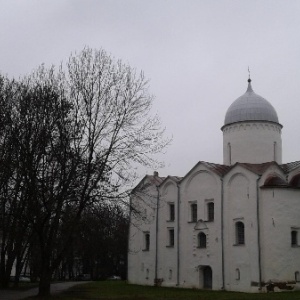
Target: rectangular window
x=294 y=238
x=240 y=233
x=297 y=276
x=146 y=241
x=171 y=212
x=171 y=237
x=210 y=211
x=194 y=216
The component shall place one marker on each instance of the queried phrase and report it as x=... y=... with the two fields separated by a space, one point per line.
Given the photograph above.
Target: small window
x=202 y=240
x=171 y=212
x=237 y=274
x=297 y=276
x=210 y=211
x=147 y=241
x=294 y=238
x=171 y=237
x=170 y=274
x=147 y=273
x=240 y=233
x=194 y=216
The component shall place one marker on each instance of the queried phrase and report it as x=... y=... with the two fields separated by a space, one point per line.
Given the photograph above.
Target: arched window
x=240 y=233
x=202 y=240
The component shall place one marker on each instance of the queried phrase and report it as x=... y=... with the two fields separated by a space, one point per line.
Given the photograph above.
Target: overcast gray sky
x=196 y=54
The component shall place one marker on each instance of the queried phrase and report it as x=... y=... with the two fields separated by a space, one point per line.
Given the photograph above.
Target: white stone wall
x=252 y=142
x=201 y=186
x=167 y=255
x=141 y=263
x=243 y=199
x=241 y=261
x=280 y=214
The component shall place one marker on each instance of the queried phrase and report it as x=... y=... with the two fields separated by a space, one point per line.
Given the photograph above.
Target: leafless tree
x=78 y=134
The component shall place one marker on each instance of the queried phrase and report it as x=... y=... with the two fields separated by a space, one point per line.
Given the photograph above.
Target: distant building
x=234 y=226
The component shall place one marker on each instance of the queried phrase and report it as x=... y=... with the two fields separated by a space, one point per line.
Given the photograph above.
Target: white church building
x=234 y=226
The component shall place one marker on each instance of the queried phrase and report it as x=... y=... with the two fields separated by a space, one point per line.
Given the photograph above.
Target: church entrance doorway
x=207 y=277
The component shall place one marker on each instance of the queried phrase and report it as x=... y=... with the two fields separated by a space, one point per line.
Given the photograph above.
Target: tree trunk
x=45 y=279
x=45 y=284
x=4 y=277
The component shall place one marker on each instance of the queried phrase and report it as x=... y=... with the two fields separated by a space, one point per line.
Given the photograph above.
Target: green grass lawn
x=119 y=290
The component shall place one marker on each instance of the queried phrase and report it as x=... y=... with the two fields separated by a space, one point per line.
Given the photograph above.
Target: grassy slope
x=106 y=290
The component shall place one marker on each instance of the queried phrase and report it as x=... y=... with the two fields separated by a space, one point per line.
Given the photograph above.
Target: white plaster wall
x=141 y=264
x=280 y=212
x=252 y=142
x=200 y=186
x=240 y=198
x=167 y=256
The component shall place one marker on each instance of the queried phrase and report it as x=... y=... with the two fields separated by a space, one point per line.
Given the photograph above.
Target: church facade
x=234 y=226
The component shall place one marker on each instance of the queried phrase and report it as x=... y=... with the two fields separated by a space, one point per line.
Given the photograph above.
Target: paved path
x=55 y=289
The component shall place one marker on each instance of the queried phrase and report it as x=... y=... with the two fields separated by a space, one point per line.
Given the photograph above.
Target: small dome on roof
x=250 y=107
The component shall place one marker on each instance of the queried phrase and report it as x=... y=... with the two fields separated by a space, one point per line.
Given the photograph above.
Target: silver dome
x=250 y=107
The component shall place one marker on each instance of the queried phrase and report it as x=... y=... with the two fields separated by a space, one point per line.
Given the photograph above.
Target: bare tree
x=79 y=133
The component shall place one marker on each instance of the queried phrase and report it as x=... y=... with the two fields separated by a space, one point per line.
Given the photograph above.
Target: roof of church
x=250 y=107
x=222 y=170
x=217 y=168
x=290 y=166
x=258 y=168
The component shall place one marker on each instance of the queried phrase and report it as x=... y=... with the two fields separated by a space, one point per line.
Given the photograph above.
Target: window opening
x=210 y=211
x=172 y=212
x=170 y=274
x=237 y=274
x=147 y=241
x=294 y=238
x=194 y=212
x=171 y=237
x=240 y=233
x=202 y=240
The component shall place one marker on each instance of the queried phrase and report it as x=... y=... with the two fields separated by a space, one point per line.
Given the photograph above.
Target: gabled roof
x=173 y=178
x=152 y=179
x=217 y=168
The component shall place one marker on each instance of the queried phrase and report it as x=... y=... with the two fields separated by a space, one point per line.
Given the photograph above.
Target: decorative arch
x=295 y=181
x=234 y=176
x=200 y=172
x=275 y=180
x=166 y=187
